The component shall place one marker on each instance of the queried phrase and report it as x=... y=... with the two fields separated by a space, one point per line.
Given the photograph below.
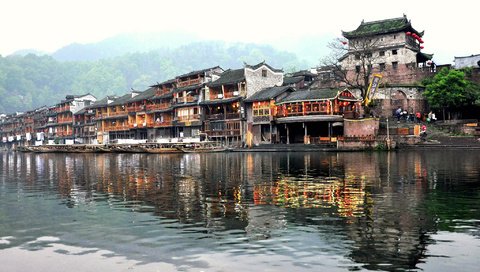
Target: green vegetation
x=31 y=81
x=450 y=90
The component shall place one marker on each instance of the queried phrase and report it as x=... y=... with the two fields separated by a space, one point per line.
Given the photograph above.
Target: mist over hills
x=30 y=79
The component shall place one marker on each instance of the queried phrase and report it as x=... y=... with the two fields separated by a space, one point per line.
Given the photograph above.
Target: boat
x=203 y=147
x=161 y=148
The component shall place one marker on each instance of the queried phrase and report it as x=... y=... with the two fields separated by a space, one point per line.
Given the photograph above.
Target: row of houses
x=251 y=105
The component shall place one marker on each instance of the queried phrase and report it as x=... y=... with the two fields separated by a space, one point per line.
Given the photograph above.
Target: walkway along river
x=301 y=211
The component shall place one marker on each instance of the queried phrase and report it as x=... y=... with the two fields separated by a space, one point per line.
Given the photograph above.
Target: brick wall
x=362 y=127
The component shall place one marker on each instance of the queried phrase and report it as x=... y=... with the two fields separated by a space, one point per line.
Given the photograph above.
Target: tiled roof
x=170 y=81
x=255 y=67
x=292 y=80
x=381 y=27
x=220 y=101
x=102 y=102
x=147 y=94
x=187 y=88
x=121 y=100
x=311 y=94
x=229 y=77
x=198 y=72
x=268 y=93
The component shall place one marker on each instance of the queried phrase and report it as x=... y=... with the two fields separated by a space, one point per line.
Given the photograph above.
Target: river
x=297 y=211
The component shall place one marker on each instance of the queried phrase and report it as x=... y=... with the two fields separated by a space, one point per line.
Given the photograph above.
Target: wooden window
x=381 y=53
x=395 y=65
x=357 y=68
x=394 y=52
x=382 y=66
x=357 y=56
x=264 y=73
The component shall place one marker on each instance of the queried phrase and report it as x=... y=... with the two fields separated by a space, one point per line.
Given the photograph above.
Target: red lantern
x=409 y=33
x=344 y=42
x=421 y=47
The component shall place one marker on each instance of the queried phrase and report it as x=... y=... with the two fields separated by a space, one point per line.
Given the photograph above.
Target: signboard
x=374 y=84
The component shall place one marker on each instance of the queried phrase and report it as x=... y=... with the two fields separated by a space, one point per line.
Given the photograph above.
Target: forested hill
x=31 y=81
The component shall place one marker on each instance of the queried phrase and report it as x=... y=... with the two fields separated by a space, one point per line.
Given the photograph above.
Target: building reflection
x=379 y=200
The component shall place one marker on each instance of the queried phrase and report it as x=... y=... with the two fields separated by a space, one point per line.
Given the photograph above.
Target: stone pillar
x=288 y=134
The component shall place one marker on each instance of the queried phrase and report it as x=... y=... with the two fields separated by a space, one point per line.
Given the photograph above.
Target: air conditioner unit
x=220 y=95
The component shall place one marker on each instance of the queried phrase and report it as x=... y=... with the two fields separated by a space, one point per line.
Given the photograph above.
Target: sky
x=48 y=25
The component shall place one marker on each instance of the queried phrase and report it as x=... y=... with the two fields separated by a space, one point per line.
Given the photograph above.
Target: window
x=382 y=66
x=370 y=67
x=395 y=65
x=394 y=51
x=357 y=68
x=394 y=37
x=357 y=57
x=381 y=53
x=264 y=73
x=368 y=55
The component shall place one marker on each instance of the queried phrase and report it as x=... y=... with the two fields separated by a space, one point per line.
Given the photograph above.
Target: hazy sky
x=47 y=25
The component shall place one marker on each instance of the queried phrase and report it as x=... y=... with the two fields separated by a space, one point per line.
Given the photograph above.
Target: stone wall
x=361 y=127
x=256 y=81
x=390 y=98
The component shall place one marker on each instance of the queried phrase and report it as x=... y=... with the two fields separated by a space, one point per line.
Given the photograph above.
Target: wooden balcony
x=159 y=124
x=64 y=133
x=136 y=108
x=160 y=92
x=223 y=133
x=194 y=117
x=62 y=109
x=162 y=106
x=116 y=128
x=118 y=113
x=65 y=120
x=189 y=82
x=137 y=125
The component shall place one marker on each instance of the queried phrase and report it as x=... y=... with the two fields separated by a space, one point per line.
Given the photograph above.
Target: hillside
x=30 y=81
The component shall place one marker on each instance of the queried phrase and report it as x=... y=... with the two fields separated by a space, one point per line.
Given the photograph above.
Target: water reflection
x=376 y=210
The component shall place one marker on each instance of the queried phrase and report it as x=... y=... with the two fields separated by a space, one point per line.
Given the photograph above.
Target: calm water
x=417 y=210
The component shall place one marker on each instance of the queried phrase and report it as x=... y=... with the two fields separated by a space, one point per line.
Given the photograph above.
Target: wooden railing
x=116 y=128
x=136 y=108
x=161 y=106
x=226 y=132
x=189 y=82
x=117 y=113
x=65 y=120
x=193 y=117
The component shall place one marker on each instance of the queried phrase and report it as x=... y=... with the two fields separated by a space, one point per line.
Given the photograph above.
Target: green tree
x=450 y=90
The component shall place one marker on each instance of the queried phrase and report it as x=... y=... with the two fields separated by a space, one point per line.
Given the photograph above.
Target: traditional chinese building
x=261 y=111
x=65 y=110
x=223 y=105
x=392 y=48
x=314 y=115
x=187 y=96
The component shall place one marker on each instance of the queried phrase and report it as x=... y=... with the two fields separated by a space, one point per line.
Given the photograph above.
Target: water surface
x=412 y=210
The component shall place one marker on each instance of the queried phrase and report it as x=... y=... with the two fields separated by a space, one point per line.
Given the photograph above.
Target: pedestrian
x=418 y=117
x=423 y=132
x=398 y=113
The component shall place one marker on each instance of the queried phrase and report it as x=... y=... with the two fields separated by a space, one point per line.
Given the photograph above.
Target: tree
x=352 y=63
x=449 y=90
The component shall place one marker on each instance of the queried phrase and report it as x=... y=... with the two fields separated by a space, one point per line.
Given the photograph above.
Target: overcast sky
x=46 y=25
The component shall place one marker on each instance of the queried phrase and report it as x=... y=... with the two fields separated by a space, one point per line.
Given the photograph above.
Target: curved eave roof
x=220 y=101
x=380 y=27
